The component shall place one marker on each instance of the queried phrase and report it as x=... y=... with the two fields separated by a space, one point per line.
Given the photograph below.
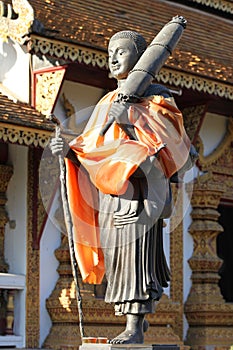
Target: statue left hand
x=119 y=111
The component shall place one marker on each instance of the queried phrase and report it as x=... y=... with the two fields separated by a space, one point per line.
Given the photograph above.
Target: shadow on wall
x=8 y=57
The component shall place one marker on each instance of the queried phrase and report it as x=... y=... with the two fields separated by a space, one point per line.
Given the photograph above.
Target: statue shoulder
x=157 y=89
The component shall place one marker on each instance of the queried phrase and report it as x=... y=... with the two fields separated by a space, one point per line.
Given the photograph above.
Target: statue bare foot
x=133 y=334
x=128 y=337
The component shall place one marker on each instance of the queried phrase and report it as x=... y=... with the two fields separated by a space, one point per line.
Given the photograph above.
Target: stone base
x=127 y=347
x=115 y=347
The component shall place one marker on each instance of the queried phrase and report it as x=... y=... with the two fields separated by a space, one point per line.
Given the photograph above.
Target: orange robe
x=108 y=161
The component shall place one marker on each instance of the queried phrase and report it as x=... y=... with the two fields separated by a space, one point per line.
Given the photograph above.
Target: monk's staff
x=68 y=220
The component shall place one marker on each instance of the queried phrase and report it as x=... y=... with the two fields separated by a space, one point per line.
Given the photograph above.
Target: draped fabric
x=107 y=166
x=136 y=268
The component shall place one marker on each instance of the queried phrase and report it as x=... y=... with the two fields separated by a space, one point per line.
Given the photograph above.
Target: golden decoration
x=201 y=84
x=16 y=29
x=80 y=54
x=71 y=52
x=47 y=86
x=221 y=5
x=24 y=136
x=176 y=258
x=69 y=108
x=210 y=318
x=192 y=119
x=33 y=263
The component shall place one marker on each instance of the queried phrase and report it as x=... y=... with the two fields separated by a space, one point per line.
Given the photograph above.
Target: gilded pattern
x=176 y=258
x=210 y=317
x=16 y=29
x=79 y=54
x=24 y=136
x=192 y=120
x=47 y=86
x=33 y=263
x=221 y=5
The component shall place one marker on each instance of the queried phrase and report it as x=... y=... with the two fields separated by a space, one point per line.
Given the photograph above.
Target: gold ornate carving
x=192 y=119
x=76 y=53
x=176 y=258
x=47 y=86
x=221 y=5
x=210 y=318
x=33 y=262
x=24 y=136
x=16 y=29
x=73 y=53
x=69 y=108
x=200 y=84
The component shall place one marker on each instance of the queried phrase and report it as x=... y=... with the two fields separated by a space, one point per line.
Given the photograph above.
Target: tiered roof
x=205 y=48
x=22 y=114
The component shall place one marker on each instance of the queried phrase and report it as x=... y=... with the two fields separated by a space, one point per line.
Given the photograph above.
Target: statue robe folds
x=99 y=191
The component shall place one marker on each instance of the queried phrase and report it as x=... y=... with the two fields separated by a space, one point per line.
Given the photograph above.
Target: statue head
x=125 y=48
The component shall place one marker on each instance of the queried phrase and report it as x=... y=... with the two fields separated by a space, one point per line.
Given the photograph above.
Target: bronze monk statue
x=119 y=184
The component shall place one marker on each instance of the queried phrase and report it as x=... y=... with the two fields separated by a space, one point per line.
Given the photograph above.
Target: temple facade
x=54 y=63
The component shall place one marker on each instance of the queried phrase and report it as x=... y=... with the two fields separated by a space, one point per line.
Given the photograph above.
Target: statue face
x=122 y=57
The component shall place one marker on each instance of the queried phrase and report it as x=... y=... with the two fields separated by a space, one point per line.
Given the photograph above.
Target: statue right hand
x=58 y=146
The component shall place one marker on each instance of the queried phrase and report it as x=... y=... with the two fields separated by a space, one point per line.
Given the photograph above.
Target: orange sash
x=109 y=161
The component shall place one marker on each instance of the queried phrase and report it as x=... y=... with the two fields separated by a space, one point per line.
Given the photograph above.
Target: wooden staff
x=69 y=227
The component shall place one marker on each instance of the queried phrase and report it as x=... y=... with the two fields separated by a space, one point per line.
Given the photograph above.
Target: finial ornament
x=179 y=19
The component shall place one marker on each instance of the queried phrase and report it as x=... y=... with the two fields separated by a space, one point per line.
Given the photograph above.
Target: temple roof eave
x=21 y=123
x=175 y=72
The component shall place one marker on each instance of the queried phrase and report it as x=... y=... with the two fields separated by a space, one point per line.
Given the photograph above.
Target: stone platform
x=127 y=347
x=114 y=347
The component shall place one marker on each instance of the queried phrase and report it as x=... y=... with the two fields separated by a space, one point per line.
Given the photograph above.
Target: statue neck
x=120 y=83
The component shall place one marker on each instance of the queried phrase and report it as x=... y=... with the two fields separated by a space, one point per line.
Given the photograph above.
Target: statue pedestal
x=127 y=347
x=115 y=347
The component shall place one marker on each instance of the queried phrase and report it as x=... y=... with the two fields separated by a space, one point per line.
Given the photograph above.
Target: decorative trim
x=46 y=86
x=80 y=54
x=73 y=53
x=18 y=28
x=176 y=257
x=24 y=136
x=193 y=117
x=197 y=83
x=225 y=6
x=33 y=262
x=210 y=318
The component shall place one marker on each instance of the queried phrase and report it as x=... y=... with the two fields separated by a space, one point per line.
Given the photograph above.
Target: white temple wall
x=50 y=241
x=16 y=229
x=14 y=70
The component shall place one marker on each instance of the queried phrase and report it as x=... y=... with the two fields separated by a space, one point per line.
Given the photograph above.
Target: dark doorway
x=225 y=252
